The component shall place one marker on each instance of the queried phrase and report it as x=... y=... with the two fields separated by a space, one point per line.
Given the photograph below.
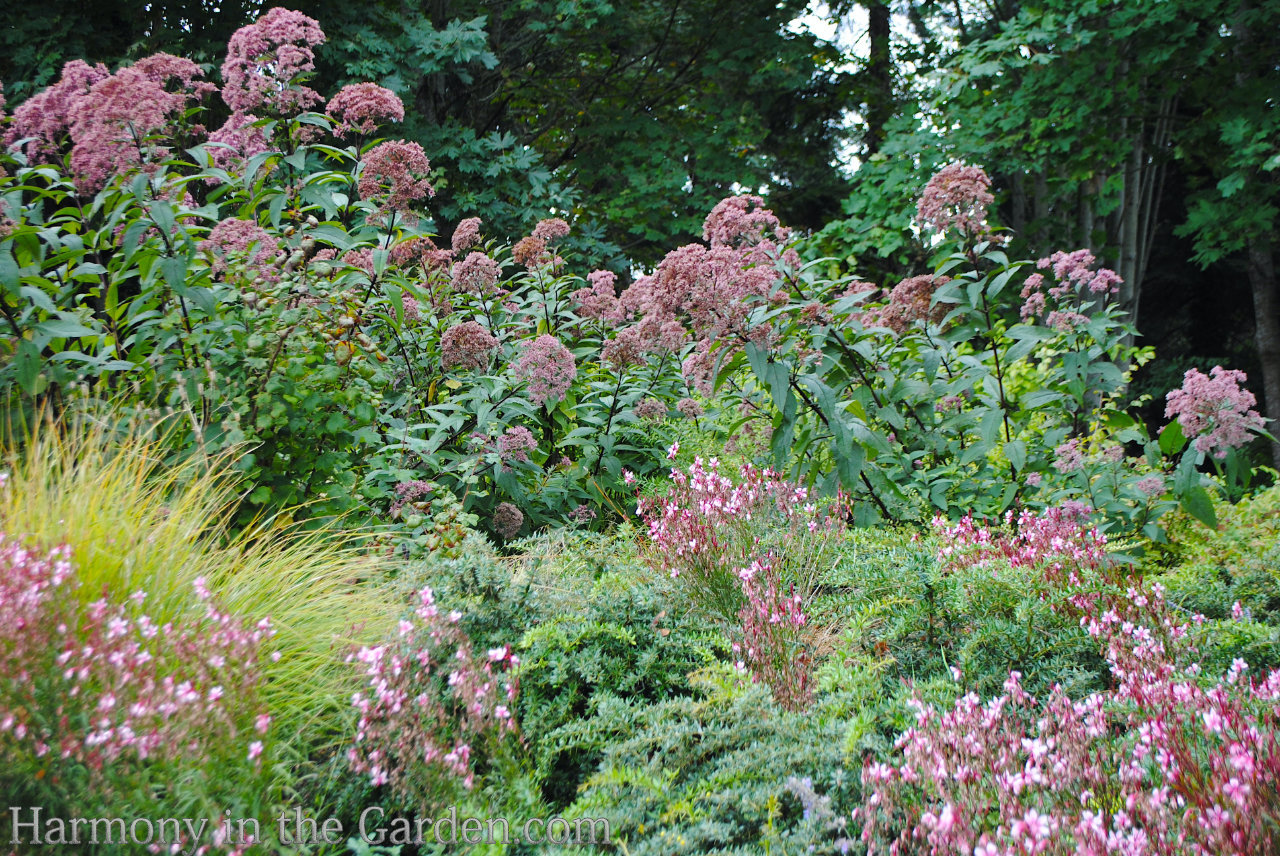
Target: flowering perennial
x=1214 y=409
x=103 y=684
x=431 y=706
x=394 y=175
x=1164 y=762
x=516 y=443
x=770 y=638
x=476 y=274
x=467 y=346
x=703 y=533
x=244 y=241
x=267 y=59
x=466 y=235
x=362 y=107
x=507 y=520
x=548 y=367
x=956 y=197
x=47 y=116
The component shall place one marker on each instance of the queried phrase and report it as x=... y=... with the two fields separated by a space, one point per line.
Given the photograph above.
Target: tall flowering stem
x=748 y=552
x=771 y=636
x=433 y=707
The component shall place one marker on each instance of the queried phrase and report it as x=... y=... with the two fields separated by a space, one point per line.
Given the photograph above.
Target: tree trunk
x=879 y=75
x=1018 y=212
x=1266 y=310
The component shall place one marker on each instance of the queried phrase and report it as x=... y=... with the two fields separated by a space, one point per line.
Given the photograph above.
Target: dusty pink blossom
x=516 y=443
x=910 y=301
x=1152 y=485
x=421 y=250
x=242 y=246
x=266 y=61
x=599 y=301
x=531 y=252
x=411 y=307
x=47 y=115
x=361 y=259
x=239 y=138
x=467 y=345
x=956 y=197
x=362 y=107
x=625 y=349
x=548 y=367
x=551 y=230
x=651 y=408
x=394 y=174
x=507 y=520
x=741 y=220
x=476 y=274
x=466 y=235
x=1215 y=410
x=689 y=408
x=1069 y=457
x=115 y=124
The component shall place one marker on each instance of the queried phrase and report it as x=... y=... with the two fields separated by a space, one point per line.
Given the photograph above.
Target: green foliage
x=710 y=773
x=588 y=621
x=326 y=360
x=960 y=406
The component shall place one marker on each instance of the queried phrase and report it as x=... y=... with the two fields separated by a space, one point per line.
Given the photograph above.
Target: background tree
x=639 y=115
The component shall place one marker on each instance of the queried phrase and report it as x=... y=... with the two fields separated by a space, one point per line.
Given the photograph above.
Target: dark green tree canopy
x=636 y=115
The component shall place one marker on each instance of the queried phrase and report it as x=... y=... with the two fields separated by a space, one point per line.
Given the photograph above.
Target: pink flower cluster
x=111 y=119
x=423 y=251
x=362 y=107
x=1214 y=409
x=236 y=246
x=46 y=117
x=710 y=292
x=599 y=301
x=1058 y=539
x=239 y=138
x=394 y=174
x=265 y=62
x=956 y=197
x=467 y=346
x=466 y=235
x=548 y=367
x=1077 y=283
x=507 y=520
x=771 y=638
x=550 y=231
x=1162 y=763
x=742 y=221
x=910 y=301
x=704 y=532
x=410 y=492
x=431 y=705
x=516 y=443
x=476 y=274
x=87 y=687
x=1068 y=457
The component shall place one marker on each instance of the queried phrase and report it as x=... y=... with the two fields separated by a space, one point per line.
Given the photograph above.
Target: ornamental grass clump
x=133 y=522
